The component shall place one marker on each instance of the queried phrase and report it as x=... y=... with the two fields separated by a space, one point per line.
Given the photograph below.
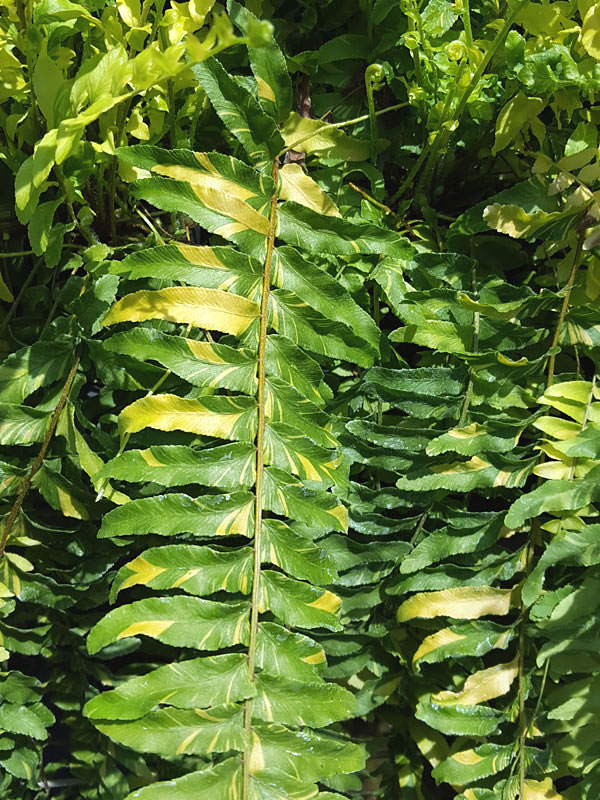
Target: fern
x=244 y=581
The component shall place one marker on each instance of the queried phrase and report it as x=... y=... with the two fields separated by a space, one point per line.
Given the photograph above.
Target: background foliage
x=344 y=357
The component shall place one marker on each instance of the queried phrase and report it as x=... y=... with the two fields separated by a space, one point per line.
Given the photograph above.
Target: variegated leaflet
x=244 y=332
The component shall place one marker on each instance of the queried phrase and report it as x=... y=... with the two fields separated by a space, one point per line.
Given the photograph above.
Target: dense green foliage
x=299 y=423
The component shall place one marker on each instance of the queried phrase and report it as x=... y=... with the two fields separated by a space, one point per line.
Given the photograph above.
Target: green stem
x=565 y=305
x=466 y=19
x=373 y=74
x=260 y=466
x=17 y=254
x=26 y=485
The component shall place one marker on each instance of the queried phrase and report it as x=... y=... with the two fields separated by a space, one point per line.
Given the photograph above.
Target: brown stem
x=26 y=485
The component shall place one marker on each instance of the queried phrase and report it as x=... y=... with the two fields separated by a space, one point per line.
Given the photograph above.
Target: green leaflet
x=459 y=720
x=198 y=683
x=299 y=604
x=289 y=498
x=195 y=570
x=297 y=321
x=32 y=367
x=273 y=83
x=277 y=470
x=292 y=702
x=175 y=731
x=288 y=448
x=286 y=548
x=241 y=113
x=181 y=622
x=199 y=363
x=466 y=639
x=225 y=780
x=170 y=514
x=21 y=424
x=211 y=267
x=553 y=496
x=229 y=466
x=323 y=293
x=451 y=541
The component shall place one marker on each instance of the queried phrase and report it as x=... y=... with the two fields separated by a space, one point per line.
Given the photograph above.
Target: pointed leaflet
x=240 y=112
x=210 y=267
x=290 y=498
x=223 y=417
x=198 y=683
x=296 y=320
x=296 y=185
x=299 y=604
x=221 y=193
x=230 y=466
x=199 y=363
x=284 y=547
x=173 y=731
x=288 y=448
x=268 y=65
x=203 y=308
x=178 y=621
x=193 y=569
x=170 y=514
x=322 y=292
x=290 y=702
x=30 y=368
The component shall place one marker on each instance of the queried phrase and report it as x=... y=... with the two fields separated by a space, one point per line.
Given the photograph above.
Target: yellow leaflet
x=482 y=686
x=466 y=602
x=431 y=743
x=143 y=572
x=150 y=459
x=153 y=627
x=515 y=221
x=327 y=602
x=257 y=757
x=203 y=308
x=559 y=428
x=436 y=640
x=264 y=90
x=298 y=186
x=70 y=506
x=200 y=256
x=220 y=195
x=541 y=790
x=572 y=398
x=236 y=523
x=467 y=758
x=468 y=432
x=315 y=658
x=590 y=32
x=341 y=514
x=167 y=412
x=473 y=465
x=204 y=351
